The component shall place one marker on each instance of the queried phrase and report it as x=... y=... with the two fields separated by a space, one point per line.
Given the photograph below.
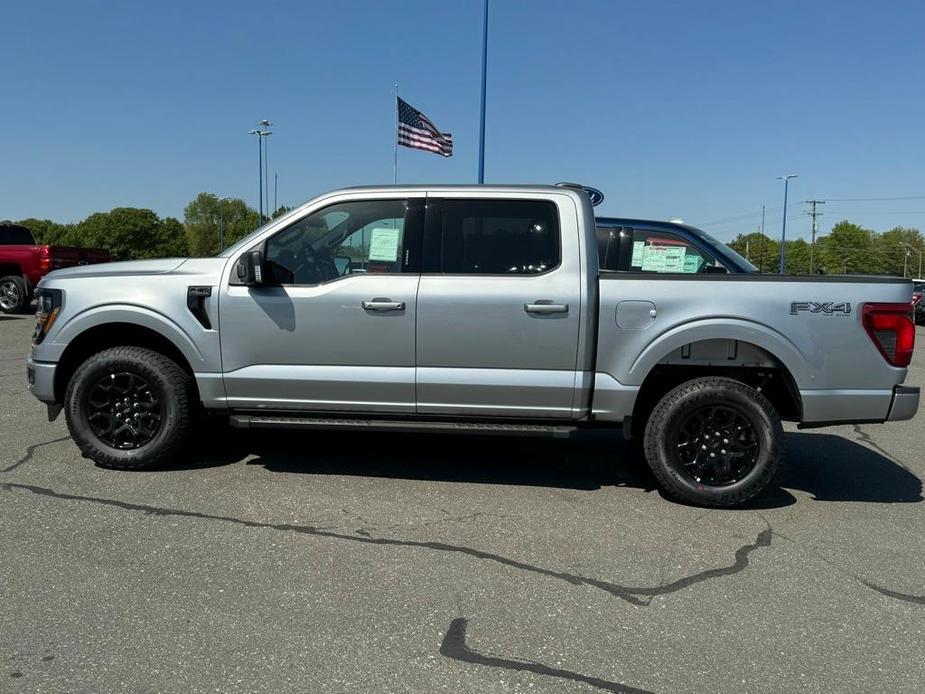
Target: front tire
x=128 y=408
x=14 y=294
x=713 y=442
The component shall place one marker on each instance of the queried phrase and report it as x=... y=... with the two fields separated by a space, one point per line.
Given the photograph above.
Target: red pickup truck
x=23 y=264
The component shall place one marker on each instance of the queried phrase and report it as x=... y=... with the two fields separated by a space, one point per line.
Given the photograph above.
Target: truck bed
x=812 y=326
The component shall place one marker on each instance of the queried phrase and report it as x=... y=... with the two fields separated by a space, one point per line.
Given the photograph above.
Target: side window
x=658 y=251
x=343 y=239
x=499 y=237
x=608 y=246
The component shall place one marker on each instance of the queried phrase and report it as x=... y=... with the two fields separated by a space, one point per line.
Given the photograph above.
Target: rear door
x=499 y=307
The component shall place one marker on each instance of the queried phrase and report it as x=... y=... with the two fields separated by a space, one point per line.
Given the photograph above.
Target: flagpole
x=484 y=73
x=395 y=163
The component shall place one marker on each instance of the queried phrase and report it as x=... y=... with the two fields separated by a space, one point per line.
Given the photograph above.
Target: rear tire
x=713 y=442
x=14 y=294
x=128 y=408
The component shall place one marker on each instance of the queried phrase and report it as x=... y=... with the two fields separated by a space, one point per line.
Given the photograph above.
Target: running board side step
x=282 y=422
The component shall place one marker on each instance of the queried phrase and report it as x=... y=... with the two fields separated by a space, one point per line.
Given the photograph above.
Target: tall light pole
x=261 y=184
x=265 y=124
x=484 y=75
x=259 y=170
x=783 y=227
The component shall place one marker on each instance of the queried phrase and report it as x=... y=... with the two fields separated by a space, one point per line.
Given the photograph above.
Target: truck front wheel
x=713 y=442
x=129 y=408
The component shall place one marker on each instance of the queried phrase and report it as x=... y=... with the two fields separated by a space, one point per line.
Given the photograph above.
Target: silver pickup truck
x=487 y=309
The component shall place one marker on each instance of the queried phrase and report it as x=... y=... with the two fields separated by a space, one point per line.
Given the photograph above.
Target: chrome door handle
x=383 y=305
x=544 y=306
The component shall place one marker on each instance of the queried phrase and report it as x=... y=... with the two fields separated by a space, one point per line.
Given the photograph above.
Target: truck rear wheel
x=129 y=408
x=14 y=295
x=713 y=442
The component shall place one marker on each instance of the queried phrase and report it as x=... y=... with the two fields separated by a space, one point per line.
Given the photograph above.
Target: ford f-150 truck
x=23 y=263
x=486 y=309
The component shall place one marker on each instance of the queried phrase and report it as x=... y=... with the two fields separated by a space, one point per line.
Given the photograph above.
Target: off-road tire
x=670 y=413
x=170 y=384
x=21 y=290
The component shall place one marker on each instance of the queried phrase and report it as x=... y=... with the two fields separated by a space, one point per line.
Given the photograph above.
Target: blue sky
x=673 y=109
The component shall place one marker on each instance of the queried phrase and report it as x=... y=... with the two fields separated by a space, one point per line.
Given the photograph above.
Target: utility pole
x=812 y=246
x=763 y=249
x=909 y=247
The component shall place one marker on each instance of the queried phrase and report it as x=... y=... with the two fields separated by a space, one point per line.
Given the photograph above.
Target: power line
x=904 y=197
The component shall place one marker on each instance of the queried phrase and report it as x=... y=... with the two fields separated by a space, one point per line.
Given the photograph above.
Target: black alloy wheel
x=717 y=446
x=123 y=411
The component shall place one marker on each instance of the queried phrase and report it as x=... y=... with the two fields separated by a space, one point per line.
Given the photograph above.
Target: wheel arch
x=100 y=336
x=695 y=354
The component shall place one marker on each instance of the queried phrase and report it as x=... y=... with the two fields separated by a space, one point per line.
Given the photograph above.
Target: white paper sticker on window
x=638 y=252
x=383 y=244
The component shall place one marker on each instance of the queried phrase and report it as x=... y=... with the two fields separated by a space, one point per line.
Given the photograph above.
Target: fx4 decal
x=827 y=308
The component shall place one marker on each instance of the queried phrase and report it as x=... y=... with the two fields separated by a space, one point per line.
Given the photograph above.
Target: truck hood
x=129 y=268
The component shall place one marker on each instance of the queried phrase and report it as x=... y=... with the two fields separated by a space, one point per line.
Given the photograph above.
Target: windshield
x=723 y=250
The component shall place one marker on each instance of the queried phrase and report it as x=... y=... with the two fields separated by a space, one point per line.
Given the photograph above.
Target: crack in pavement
x=454 y=647
x=905 y=597
x=864 y=437
x=30 y=451
x=629 y=594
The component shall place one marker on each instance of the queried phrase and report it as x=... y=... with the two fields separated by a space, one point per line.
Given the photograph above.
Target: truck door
x=334 y=328
x=499 y=307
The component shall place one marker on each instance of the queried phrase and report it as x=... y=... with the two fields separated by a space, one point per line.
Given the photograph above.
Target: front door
x=334 y=330
x=499 y=308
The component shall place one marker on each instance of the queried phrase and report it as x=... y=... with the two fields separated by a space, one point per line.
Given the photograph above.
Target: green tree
x=846 y=249
x=893 y=255
x=47 y=231
x=202 y=218
x=130 y=233
x=762 y=251
x=171 y=239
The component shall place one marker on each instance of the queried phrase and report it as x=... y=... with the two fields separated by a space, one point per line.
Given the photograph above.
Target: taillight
x=44 y=258
x=892 y=330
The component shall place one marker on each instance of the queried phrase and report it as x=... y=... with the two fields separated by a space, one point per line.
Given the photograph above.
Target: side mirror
x=715 y=270
x=250 y=268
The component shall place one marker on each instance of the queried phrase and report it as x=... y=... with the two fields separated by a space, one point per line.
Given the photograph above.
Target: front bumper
x=41 y=377
x=905 y=403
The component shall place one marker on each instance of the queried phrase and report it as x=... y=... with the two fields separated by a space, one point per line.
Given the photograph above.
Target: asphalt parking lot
x=412 y=563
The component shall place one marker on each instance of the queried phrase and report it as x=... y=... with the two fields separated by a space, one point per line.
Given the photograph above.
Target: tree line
x=847 y=249
x=132 y=233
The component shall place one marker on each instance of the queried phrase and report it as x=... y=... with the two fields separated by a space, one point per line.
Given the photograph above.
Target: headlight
x=47 y=308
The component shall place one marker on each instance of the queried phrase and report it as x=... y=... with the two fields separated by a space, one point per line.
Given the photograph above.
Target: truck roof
x=463 y=187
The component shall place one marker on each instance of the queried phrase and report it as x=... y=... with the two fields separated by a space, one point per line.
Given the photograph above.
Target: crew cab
x=23 y=263
x=488 y=309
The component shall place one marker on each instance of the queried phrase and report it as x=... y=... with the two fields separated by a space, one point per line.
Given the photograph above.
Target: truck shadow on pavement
x=826 y=466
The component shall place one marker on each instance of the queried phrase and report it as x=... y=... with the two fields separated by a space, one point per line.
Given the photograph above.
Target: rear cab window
x=495 y=237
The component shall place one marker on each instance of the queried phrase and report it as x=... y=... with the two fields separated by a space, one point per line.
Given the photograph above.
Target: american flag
x=415 y=130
